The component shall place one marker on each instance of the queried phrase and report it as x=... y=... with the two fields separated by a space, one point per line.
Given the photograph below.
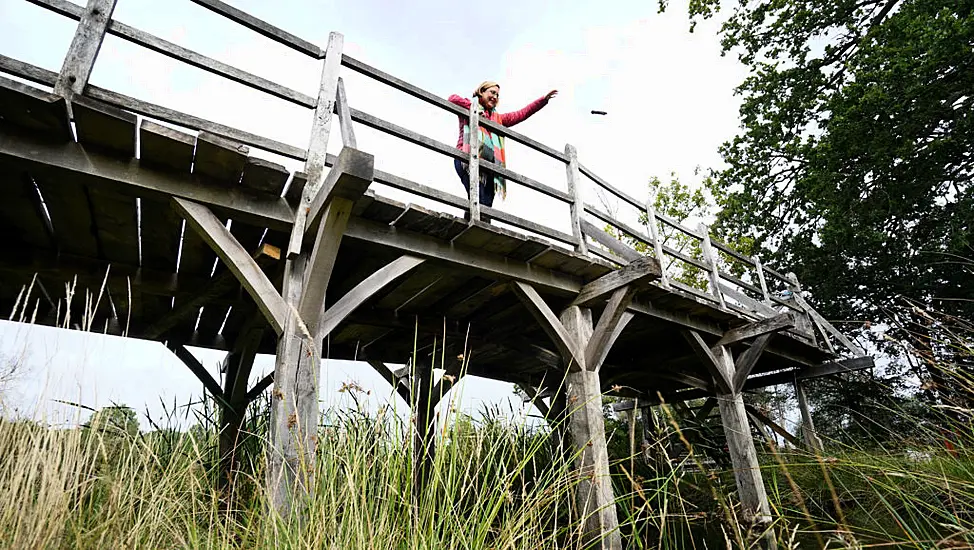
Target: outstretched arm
x=461 y=101
x=510 y=119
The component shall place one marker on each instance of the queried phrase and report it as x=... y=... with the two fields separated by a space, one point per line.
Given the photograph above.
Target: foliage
x=853 y=164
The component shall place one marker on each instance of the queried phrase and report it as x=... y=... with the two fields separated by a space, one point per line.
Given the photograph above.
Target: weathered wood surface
x=242 y=265
x=84 y=48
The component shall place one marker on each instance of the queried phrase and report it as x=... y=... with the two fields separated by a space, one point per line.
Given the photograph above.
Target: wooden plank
x=627 y=254
x=210 y=65
x=164 y=148
x=265 y=29
x=115 y=221
x=84 y=48
x=637 y=273
x=748 y=359
x=67 y=204
x=828 y=326
x=249 y=274
x=365 y=290
x=562 y=339
x=611 y=324
x=172 y=116
x=384 y=210
x=295 y=189
x=264 y=177
x=750 y=304
x=104 y=127
x=577 y=209
x=219 y=160
x=438 y=226
x=746 y=332
x=34 y=111
x=58 y=163
x=528 y=250
x=704 y=354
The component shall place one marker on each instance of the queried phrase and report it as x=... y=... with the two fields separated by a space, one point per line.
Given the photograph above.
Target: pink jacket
x=507 y=119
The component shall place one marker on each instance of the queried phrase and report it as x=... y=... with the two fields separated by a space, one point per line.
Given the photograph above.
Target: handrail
x=733 y=296
x=419 y=93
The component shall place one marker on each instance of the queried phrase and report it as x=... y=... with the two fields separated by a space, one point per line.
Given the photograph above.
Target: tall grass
x=494 y=483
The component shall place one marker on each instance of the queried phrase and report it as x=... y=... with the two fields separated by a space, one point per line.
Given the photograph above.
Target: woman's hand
x=551 y=94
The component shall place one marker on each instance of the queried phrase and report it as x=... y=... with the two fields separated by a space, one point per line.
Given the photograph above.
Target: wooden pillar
x=711 y=259
x=294 y=403
x=808 y=427
x=654 y=233
x=729 y=376
x=84 y=48
x=233 y=406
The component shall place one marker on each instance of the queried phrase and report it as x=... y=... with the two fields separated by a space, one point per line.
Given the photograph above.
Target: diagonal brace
x=238 y=260
x=611 y=324
x=552 y=326
x=709 y=361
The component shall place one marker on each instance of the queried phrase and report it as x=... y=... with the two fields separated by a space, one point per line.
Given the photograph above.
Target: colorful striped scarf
x=491 y=146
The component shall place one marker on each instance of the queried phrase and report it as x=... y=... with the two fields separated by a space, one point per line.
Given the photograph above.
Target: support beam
x=778 y=323
x=345 y=117
x=567 y=345
x=611 y=324
x=198 y=370
x=237 y=260
x=423 y=417
x=813 y=442
x=636 y=274
x=259 y=387
x=348 y=179
x=706 y=356
x=393 y=380
x=775 y=427
x=84 y=48
x=746 y=361
x=577 y=205
x=233 y=410
x=365 y=290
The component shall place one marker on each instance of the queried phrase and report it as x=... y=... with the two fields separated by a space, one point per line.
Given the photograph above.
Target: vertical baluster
x=473 y=167
x=652 y=220
x=711 y=259
x=577 y=206
x=764 y=284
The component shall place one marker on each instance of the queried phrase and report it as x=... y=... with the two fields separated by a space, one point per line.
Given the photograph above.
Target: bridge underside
x=71 y=207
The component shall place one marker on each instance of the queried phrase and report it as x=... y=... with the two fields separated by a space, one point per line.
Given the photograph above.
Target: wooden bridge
x=142 y=200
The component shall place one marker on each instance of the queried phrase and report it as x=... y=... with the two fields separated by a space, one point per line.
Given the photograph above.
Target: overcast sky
x=668 y=94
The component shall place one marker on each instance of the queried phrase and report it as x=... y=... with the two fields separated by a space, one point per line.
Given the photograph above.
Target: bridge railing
x=733 y=281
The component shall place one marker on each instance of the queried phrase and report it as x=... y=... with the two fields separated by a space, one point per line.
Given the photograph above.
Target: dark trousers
x=486 y=182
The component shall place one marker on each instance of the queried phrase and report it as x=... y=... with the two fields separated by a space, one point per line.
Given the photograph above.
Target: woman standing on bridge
x=491 y=145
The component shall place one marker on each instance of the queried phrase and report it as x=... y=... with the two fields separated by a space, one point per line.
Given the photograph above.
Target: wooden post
x=473 y=164
x=577 y=206
x=651 y=220
x=586 y=426
x=812 y=440
x=294 y=402
x=711 y=259
x=84 y=48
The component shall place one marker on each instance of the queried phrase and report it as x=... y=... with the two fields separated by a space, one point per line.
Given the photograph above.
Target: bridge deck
x=74 y=209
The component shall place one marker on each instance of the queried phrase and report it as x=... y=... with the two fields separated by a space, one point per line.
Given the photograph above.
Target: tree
x=116 y=420
x=854 y=161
